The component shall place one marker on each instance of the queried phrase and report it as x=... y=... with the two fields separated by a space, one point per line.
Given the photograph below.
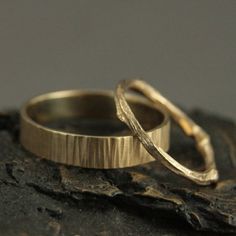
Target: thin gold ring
x=203 y=144
x=100 y=141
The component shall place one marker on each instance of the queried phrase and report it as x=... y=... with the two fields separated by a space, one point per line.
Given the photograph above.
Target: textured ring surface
x=203 y=144
x=97 y=138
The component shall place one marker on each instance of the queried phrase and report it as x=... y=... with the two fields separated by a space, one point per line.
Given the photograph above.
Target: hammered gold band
x=203 y=144
x=80 y=128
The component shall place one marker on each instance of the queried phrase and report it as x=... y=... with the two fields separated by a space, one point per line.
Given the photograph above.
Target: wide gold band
x=203 y=144
x=80 y=128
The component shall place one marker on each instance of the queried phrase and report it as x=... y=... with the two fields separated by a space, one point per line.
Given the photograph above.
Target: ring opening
x=91 y=114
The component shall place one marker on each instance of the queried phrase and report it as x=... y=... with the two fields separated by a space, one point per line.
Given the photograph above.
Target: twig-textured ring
x=80 y=127
x=203 y=144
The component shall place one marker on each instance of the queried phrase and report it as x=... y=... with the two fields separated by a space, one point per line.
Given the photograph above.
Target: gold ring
x=203 y=144
x=80 y=127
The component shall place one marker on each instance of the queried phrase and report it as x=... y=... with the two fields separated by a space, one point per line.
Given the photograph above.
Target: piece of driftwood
x=38 y=197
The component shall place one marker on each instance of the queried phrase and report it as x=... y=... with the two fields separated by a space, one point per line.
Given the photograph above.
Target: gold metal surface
x=203 y=144
x=80 y=128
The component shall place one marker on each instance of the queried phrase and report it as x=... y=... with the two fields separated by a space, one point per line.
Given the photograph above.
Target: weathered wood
x=38 y=197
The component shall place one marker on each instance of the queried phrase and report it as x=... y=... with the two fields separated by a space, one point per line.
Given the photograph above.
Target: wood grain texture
x=38 y=197
x=88 y=151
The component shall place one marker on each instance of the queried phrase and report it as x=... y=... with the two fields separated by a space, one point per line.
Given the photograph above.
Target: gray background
x=186 y=49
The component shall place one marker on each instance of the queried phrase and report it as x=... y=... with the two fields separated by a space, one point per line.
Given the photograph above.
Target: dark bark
x=38 y=197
